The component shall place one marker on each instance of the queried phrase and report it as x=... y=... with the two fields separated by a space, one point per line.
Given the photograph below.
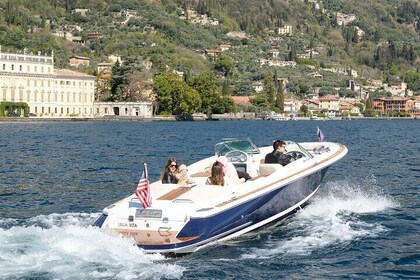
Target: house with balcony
x=393 y=104
x=285 y=30
x=225 y=47
x=213 y=53
x=94 y=36
x=104 y=67
x=79 y=60
x=330 y=105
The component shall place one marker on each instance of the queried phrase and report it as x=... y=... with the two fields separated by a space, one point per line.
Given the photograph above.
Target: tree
x=369 y=103
x=225 y=88
x=304 y=110
x=269 y=89
x=208 y=89
x=116 y=82
x=225 y=64
x=280 y=98
x=136 y=86
x=260 y=101
x=175 y=96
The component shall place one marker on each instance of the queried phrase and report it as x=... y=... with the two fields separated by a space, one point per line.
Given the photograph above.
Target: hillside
x=377 y=39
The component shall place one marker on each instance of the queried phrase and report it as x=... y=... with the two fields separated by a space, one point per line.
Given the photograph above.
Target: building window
x=62 y=110
x=36 y=110
x=42 y=110
x=55 y=110
x=13 y=67
x=4 y=66
x=4 y=94
x=20 y=68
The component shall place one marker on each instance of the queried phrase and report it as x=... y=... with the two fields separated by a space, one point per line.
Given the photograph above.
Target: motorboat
x=184 y=219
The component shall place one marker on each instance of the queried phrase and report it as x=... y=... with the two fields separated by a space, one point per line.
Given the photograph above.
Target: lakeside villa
x=32 y=86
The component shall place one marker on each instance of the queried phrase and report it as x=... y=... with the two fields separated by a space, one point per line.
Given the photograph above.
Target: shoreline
x=174 y=119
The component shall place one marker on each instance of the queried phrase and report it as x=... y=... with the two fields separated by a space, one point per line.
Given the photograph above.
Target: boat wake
x=340 y=213
x=67 y=246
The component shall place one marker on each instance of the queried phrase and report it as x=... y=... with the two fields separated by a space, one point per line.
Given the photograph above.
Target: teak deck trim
x=174 y=193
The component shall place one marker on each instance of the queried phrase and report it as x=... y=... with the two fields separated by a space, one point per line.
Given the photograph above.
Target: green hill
x=164 y=33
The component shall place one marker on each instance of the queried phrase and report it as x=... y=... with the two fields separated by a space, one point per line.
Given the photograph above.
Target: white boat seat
x=269 y=168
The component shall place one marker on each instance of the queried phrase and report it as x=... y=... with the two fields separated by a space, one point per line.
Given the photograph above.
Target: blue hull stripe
x=246 y=214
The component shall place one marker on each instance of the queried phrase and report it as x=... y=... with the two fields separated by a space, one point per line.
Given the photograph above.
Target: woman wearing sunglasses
x=169 y=174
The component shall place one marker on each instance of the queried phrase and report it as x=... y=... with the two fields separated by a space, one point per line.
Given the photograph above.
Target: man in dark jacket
x=277 y=155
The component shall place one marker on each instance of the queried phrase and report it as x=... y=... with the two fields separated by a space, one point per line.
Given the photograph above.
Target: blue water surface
x=55 y=178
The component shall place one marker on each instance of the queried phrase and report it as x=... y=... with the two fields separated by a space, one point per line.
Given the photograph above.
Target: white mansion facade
x=48 y=92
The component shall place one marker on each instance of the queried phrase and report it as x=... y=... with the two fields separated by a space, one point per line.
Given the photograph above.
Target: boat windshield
x=244 y=145
x=295 y=147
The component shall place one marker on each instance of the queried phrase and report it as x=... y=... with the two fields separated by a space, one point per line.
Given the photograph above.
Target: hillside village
x=330 y=105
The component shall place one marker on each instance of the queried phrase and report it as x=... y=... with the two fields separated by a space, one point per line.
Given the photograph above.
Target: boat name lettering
x=149 y=213
x=122 y=225
x=133 y=225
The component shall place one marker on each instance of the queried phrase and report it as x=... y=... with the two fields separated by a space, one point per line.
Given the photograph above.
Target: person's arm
x=284 y=159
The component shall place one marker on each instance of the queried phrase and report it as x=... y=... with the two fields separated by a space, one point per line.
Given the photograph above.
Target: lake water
x=55 y=178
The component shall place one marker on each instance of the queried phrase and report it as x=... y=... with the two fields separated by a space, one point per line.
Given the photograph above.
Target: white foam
x=66 y=246
x=334 y=217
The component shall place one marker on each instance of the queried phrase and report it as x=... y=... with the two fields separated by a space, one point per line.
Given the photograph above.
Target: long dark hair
x=167 y=165
x=217 y=175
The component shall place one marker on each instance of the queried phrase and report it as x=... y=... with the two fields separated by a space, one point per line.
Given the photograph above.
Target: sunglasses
x=173 y=165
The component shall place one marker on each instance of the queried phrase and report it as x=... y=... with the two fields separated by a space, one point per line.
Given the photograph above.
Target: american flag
x=142 y=190
x=320 y=135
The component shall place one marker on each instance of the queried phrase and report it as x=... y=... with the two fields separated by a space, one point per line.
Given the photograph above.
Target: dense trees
x=200 y=94
x=175 y=96
x=389 y=48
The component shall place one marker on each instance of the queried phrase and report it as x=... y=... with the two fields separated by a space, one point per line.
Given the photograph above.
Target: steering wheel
x=236 y=156
x=295 y=155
